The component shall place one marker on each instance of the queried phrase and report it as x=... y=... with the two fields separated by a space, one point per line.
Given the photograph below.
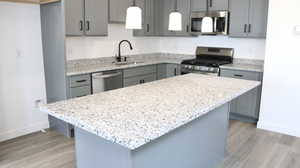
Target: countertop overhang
x=134 y=116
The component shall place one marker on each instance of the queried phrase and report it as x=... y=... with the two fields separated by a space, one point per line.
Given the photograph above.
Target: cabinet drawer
x=80 y=91
x=255 y=76
x=80 y=80
x=139 y=80
x=139 y=71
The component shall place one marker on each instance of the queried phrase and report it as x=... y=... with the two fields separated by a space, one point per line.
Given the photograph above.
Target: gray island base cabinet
x=198 y=144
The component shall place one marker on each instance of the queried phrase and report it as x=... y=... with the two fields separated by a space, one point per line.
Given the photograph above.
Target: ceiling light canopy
x=134 y=17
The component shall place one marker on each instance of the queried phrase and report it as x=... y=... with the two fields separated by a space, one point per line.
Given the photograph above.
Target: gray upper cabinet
x=248 y=18
x=86 y=17
x=258 y=18
x=96 y=17
x=74 y=17
x=184 y=7
x=201 y=5
x=156 y=17
x=117 y=10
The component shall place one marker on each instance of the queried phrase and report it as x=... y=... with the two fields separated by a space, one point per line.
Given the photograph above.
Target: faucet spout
x=119 y=58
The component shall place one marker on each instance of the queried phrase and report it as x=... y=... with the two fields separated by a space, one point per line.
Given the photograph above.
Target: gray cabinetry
x=201 y=5
x=80 y=85
x=156 y=17
x=247 y=106
x=86 y=17
x=117 y=10
x=147 y=7
x=161 y=18
x=139 y=75
x=74 y=17
x=248 y=18
x=167 y=70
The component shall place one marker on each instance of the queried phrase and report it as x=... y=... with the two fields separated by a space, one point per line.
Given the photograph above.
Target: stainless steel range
x=208 y=60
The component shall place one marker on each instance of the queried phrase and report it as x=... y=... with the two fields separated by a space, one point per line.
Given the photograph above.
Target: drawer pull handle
x=81 y=81
x=238 y=75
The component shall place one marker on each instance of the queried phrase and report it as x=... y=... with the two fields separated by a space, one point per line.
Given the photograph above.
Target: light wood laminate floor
x=248 y=147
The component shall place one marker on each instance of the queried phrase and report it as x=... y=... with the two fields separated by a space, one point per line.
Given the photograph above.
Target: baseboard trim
x=23 y=131
x=275 y=128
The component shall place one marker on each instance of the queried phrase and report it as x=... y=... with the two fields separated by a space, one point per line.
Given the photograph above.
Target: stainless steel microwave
x=220 y=22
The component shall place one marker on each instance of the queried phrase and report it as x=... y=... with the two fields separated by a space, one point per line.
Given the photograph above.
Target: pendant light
x=175 y=19
x=134 y=17
x=207 y=22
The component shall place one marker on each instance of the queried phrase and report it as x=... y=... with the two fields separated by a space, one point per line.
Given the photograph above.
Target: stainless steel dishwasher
x=108 y=80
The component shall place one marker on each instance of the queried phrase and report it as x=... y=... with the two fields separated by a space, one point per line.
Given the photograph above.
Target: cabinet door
x=172 y=70
x=117 y=10
x=96 y=17
x=247 y=104
x=142 y=5
x=239 y=18
x=149 y=18
x=258 y=18
x=74 y=17
x=218 y=5
x=184 y=7
x=198 y=5
x=80 y=91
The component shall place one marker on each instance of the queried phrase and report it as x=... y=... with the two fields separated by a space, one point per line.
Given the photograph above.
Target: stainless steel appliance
x=208 y=60
x=220 y=22
x=104 y=81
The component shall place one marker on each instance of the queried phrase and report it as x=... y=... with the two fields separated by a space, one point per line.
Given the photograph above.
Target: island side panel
x=93 y=151
x=201 y=143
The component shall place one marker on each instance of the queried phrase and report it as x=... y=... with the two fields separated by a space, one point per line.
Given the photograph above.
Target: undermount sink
x=126 y=63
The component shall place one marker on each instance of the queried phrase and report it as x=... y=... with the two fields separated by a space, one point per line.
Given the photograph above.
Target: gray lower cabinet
x=86 y=17
x=248 y=18
x=213 y=5
x=117 y=10
x=80 y=85
x=139 y=75
x=247 y=106
x=167 y=70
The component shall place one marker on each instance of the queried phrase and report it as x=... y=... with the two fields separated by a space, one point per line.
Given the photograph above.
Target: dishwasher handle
x=103 y=76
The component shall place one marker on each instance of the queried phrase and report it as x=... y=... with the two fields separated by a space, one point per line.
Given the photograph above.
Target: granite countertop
x=111 y=66
x=244 y=67
x=136 y=115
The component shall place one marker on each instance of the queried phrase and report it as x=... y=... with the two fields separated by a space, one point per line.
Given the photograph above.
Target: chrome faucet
x=119 y=57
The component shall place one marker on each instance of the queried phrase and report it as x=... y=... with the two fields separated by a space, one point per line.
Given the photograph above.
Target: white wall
x=280 y=109
x=21 y=70
x=244 y=48
x=93 y=47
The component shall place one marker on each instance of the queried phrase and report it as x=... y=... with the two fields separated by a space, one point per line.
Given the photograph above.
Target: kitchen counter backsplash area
x=71 y=64
x=82 y=66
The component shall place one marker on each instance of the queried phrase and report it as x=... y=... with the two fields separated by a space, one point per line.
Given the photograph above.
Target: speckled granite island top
x=136 y=115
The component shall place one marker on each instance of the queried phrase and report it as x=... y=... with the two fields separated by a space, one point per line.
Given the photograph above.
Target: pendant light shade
x=175 y=21
x=134 y=17
x=207 y=25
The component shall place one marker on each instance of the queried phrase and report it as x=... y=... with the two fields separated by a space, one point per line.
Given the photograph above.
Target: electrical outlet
x=39 y=102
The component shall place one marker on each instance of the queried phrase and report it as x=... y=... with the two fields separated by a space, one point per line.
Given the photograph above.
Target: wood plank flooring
x=248 y=147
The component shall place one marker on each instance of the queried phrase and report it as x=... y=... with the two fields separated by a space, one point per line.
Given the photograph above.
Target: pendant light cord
x=176 y=5
x=134 y=2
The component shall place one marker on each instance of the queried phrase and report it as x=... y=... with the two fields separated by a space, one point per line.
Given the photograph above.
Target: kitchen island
x=177 y=122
